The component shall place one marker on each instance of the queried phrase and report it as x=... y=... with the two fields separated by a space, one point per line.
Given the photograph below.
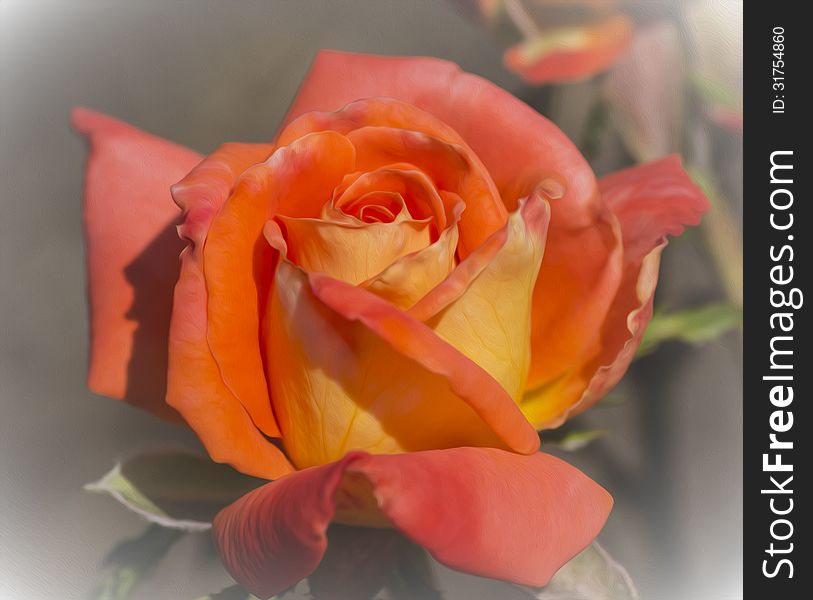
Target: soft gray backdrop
x=201 y=73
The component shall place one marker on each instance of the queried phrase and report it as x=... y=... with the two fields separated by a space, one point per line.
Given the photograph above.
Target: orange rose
x=367 y=290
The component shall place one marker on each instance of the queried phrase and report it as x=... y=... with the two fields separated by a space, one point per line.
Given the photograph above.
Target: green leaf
x=591 y=575
x=598 y=124
x=360 y=562
x=134 y=560
x=612 y=400
x=234 y=592
x=723 y=232
x=180 y=490
x=693 y=326
x=118 y=585
x=715 y=92
x=412 y=576
x=572 y=440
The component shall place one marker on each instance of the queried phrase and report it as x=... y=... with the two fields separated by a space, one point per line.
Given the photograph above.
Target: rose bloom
x=557 y=41
x=363 y=313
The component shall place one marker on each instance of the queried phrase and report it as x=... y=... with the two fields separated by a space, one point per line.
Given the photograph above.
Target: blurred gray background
x=201 y=73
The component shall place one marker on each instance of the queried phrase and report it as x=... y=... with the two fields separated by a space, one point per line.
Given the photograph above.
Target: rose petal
x=412 y=186
x=132 y=257
x=373 y=377
x=196 y=387
x=203 y=191
x=520 y=149
x=372 y=111
x=296 y=180
x=569 y=54
x=651 y=201
x=484 y=307
x=626 y=323
x=576 y=284
x=411 y=277
x=479 y=510
x=201 y=194
x=197 y=391
x=517 y=145
x=352 y=252
x=468 y=380
x=387 y=131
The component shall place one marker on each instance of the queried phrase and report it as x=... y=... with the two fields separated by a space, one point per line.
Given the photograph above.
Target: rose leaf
x=179 y=490
x=573 y=440
x=591 y=575
x=692 y=326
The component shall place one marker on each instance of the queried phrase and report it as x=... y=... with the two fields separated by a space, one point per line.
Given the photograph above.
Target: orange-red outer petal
x=516 y=143
x=227 y=428
x=202 y=194
x=132 y=257
x=651 y=201
x=480 y=510
x=198 y=392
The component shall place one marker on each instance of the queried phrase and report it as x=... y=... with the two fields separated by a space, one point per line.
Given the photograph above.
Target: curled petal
x=373 y=377
x=576 y=285
x=196 y=388
x=391 y=130
x=484 y=307
x=238 y=264
x=132 y=257
x=412 y=186
x=203 y=191
x=466 y=379
x=411 y=277
x=197 y=391
x=450 y=168
x=201 y=194
x=633 y=308
x=352 y=252
x=650 y=201
x=479 y=510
